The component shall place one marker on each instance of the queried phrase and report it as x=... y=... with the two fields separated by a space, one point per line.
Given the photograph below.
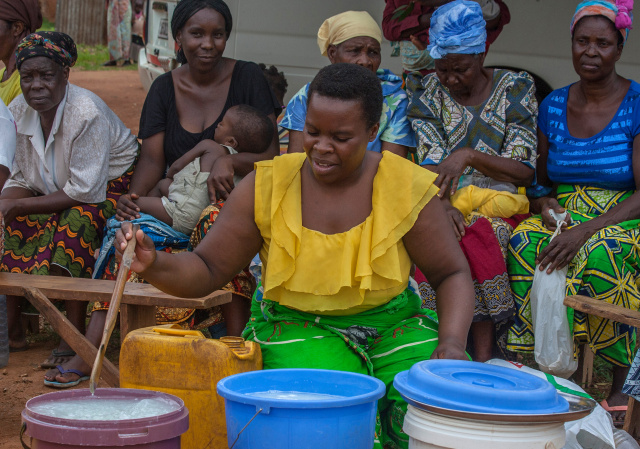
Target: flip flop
x=55 y=384
x=616 y=408
x=57 y=358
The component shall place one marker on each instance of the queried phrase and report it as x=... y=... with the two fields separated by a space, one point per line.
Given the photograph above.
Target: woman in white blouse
x=73 y=160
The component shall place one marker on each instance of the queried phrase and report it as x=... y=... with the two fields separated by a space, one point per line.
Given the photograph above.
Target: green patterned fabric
x=504 y=125
x=380 y=342
x=606 y=268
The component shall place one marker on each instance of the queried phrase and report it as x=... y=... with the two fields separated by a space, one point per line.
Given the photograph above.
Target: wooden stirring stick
x=114 y=307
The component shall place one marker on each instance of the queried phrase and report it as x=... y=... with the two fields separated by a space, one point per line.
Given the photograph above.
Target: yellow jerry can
x=184 y=363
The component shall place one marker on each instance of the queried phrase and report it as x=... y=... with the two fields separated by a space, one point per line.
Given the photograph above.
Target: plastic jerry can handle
x=178 y=332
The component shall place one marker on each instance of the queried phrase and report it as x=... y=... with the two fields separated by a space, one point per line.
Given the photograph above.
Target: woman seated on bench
x=336 y=254
x=74 y=158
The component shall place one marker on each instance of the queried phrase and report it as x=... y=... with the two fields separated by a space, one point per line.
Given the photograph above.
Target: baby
x=180 y=198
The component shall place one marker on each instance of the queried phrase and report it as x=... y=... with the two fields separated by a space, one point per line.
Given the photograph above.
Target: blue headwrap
x=457 y=27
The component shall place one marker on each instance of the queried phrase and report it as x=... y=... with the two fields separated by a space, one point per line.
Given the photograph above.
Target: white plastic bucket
x=430 y=431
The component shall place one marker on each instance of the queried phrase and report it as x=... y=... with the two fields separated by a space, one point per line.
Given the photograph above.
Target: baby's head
x=138 y=6
x=246 y=129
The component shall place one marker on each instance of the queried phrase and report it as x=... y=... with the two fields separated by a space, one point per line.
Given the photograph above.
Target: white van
x=283 y=33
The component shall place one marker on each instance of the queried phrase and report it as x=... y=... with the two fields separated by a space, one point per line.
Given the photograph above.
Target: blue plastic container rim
x=236 y=387
x=478 y=387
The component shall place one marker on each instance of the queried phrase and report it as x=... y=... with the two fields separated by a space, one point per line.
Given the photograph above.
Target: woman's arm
x=227 y=248
x=148 y=172
x=433 y=247
x=496 y=167
x=295 y=142
x=17 y=202
x=394 y=148
x=562 y=249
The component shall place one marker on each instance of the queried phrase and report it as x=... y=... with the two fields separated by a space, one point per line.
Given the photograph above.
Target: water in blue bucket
x=300 y=409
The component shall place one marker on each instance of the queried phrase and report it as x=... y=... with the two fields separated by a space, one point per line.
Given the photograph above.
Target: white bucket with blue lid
x=459 y=404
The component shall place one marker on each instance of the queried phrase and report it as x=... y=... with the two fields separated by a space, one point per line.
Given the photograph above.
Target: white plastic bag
x=553 y=338
x=594 y=431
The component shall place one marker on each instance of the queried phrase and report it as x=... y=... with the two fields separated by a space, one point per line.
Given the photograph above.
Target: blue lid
x=479 y=388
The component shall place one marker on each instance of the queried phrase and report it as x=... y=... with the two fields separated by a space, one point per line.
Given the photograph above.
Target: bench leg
x=632 y=420
x=133 y=316
x=584 y=373
x=63 y=327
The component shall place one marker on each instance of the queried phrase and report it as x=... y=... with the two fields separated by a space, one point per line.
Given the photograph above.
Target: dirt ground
x=22 y=379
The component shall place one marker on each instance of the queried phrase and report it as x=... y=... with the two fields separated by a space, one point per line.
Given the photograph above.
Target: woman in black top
x=183 y=107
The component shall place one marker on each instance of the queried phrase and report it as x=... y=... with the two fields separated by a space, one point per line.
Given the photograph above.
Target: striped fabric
x=603 y=160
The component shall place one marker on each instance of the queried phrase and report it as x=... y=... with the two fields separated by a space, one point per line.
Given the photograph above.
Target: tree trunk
x=84 y=20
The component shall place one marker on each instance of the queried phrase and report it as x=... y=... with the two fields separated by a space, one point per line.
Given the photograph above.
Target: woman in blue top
x=589 y=146
x=354 y=37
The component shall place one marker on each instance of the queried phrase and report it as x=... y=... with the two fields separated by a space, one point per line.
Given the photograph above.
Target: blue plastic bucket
x=344 y=421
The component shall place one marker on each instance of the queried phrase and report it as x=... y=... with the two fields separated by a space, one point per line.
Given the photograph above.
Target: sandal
x=57 y=358
x=73 y=383
x=617 y=408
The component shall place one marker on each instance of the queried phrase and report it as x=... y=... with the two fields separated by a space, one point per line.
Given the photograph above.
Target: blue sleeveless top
x=603 y=160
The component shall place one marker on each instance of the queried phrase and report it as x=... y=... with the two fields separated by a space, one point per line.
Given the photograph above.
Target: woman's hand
x=9 y=210
x=145 y=254
x=126 y=209
x=450 y=170
x=456 y=218
x=220 y=182
x=563 y=248
x=547 y=219
x=453 y=350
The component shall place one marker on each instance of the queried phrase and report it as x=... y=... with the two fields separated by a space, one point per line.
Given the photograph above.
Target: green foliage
x=47 y=26
x=90 y=57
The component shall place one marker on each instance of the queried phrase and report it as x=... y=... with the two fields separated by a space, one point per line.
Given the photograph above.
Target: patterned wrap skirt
x=379 y=342
x=68 y=239
x=607 y=268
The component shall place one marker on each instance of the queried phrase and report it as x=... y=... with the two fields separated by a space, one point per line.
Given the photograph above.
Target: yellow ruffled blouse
x=344 y=273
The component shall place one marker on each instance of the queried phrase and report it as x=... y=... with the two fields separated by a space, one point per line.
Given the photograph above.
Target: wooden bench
x=138 y=308
x=620 y=314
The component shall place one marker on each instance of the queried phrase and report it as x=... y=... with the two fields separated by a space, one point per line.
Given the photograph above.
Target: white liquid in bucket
x=98 y=409
x=293 y=395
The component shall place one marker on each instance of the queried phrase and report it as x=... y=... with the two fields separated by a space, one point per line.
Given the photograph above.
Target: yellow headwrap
x=344 y=26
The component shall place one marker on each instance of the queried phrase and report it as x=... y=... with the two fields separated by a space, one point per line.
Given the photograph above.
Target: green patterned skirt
x=606 y=268
x=380 y=342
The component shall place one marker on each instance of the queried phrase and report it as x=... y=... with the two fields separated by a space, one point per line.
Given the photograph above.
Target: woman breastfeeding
x=73 y=160
x=589 y=145
x=336 y=254
x=476 y=129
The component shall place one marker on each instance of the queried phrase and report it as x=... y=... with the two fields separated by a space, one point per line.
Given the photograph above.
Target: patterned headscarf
x=347 y=25
x=25 y=11
x=52 y=44
x=618 y=11
x=457 y=27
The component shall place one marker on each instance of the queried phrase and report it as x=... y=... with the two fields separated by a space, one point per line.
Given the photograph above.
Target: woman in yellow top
x=336 y=254
x=18 y=18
